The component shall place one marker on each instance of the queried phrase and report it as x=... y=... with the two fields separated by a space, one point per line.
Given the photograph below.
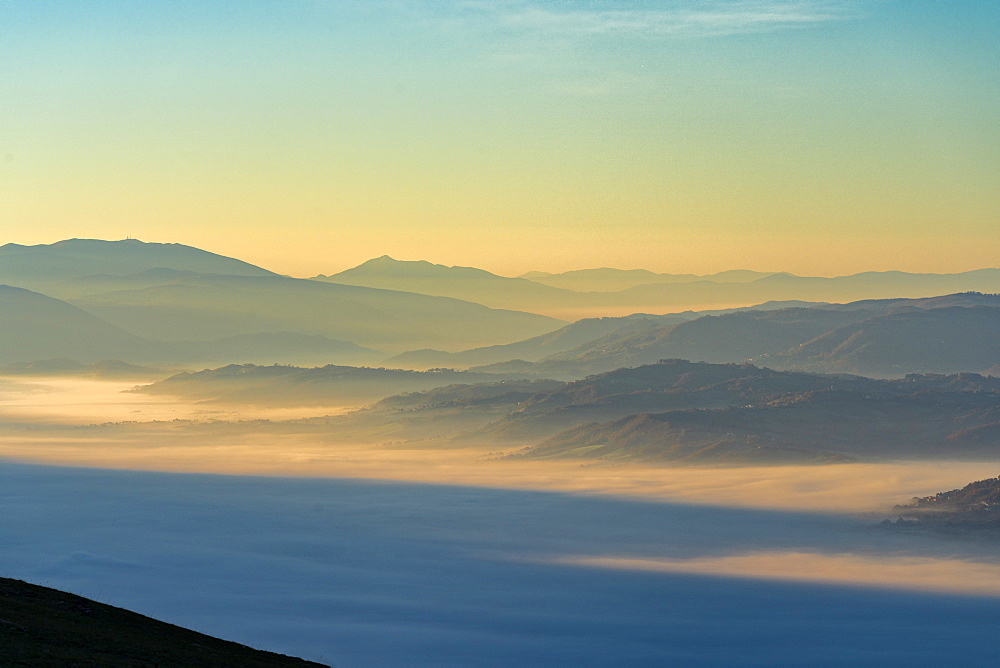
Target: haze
x=493 y=509
x=170 y=435
x=808 y=526
x=508 y=333
x=818 y=137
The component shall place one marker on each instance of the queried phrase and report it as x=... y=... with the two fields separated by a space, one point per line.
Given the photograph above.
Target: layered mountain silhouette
x=109 y=368
x=274 y=348
x=34 y=326
x=467 y=283
x=881 y=338
x=211 y=307
x=148 y=303
x=688 y=412
x=575 y=334
x=77 y=266
x=782 y=286
x=170 y=293
x=939 y=340
x=615 y=280
x=290 y=385
x=733 y=337
x=826 y=426
x=611 y=292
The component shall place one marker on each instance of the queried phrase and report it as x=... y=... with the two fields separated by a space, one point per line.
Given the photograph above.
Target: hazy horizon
x=819 y=137
x=445 y=262
x=310 y=544
x=273 y=506
x=416 y=466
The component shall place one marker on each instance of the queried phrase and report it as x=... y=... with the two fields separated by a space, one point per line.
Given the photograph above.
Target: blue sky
x=513 y=135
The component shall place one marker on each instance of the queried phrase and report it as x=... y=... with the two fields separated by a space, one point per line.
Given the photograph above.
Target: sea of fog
x=359 y=555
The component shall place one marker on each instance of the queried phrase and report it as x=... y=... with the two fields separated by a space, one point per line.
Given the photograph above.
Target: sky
x=820 y=137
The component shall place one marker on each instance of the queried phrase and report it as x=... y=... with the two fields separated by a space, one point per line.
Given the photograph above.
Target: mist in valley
x=278 y=532
x=607 y=333
x=595 y=500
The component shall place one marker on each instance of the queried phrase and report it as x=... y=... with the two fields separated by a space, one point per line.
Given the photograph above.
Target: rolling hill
x=613 y=292
x=74 y=267
x=180 y=294
x=568 y=337
x=615 y=280
x=466 y=283
x=939 y=340
x=919 y=417
x=64 y=367
x=882 y=338
x=821 y=427
x=212 y=307
x=689 y=412
x=34 y=326
x=733 y=337
x=973 y=508
x=289 y=385
x=272 y=348
x=782 y=286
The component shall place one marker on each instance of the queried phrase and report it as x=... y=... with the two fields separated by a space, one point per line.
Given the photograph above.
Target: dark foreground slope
x=46 y=627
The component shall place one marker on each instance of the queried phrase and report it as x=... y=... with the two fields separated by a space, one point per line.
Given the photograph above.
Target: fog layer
x=374 y=553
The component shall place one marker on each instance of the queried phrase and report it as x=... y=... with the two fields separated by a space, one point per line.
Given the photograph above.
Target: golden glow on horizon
x=955 y=575
x=470 y=137
x=236 y=449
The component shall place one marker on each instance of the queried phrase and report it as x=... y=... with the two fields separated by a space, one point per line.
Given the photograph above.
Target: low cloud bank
x=363 y=573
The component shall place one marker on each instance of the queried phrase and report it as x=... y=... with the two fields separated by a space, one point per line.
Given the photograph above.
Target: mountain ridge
x=612 y=292
x=52 y=268
x=793 y=338
x=211 y=307
x=697 y=412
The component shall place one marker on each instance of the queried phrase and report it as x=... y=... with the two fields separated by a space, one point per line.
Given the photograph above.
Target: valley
x=384 y=453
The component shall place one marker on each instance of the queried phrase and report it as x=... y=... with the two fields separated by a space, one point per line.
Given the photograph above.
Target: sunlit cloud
x=911 y=573
x=676 y=19
x=553 y=37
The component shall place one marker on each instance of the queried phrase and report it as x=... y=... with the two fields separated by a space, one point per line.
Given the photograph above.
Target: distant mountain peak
x=43 y=264
x=387 y=261
x=76 y=241
x=389 y=266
